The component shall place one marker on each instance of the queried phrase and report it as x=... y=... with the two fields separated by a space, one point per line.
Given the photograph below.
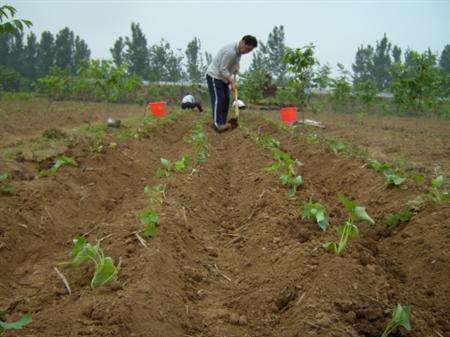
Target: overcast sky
x=337 y=28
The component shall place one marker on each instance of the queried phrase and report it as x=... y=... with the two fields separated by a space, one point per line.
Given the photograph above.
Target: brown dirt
x=420 y=142
x=232 y=258
x=27 y=119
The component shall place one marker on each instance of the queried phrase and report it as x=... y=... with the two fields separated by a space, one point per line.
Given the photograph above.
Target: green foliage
x=182 y=164
x=150 y=219
x=400 y=317
x=61 y=161
x=436 y=192
x=24 y=320
x=318 y=212
x=393 y=177
x=349 y=230
x=366 y=92
x=357 y=213
x=8 y=24
x=300 y=63
x=156 y=193
x=5 y=186
x=402 y=216
x=105 y=270
x=164 y=171
x=194 y=61
x=198 y=138
x=288 y=170
x=341 y=91
x=252 y=85
x=418 y=85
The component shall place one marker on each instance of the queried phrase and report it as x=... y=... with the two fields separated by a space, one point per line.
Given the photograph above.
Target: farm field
x=232 y=254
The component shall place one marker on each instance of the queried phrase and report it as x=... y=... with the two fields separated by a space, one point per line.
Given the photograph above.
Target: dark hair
x=250 y=40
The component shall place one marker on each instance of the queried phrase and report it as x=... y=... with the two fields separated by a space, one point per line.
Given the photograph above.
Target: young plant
x=400 y=317
x=5 y=186
x=182 y=164
x=61 y=161
x=357 y=213
x=105 y=270
x=316 y=211
x=164 y=171
x=156 y=193
x=348 y=230
x=435 y=192
x=400 y=217
x=24 y=320
x=394 y=178
x=292 y=182
x=150 y=219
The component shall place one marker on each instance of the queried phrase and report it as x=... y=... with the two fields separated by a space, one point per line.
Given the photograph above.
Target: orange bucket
x=288 y=115
x=158 y=108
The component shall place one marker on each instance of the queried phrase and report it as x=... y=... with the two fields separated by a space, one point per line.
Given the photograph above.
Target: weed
x=5 y=186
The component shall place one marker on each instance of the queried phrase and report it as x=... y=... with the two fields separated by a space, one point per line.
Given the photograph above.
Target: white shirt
x=225 y=63
x=188 y=99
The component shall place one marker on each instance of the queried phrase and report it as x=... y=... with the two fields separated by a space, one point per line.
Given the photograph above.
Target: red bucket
x=158 y=108
x=288 y=115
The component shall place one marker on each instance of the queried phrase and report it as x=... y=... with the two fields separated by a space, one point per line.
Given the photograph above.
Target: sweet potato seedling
x=182 y=164
x=164 y=171
x=61 y=161
x=156 y=193
x=357 y=213
x=292 y=182
x=436 y=193
x=393 y=178
x=400 y=317
x=150 y=219
x=348 y=230
x=5 y=186
x=400 y=217
x=316 y=211
x=105 y=270
x=24 y=320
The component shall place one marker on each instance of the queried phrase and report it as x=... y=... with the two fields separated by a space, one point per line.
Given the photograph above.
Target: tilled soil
x=232 y=257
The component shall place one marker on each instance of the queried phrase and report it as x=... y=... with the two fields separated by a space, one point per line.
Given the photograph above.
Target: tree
x=444 y=61
x=30 y=57
x=194 y=61
x=117 y=52
x=5 y=48
x=275 y=50
x=45 y=54
x=64 y=49
x=341 y=90
x=397 y=54
x=382 y=64
x=363 y=66
x=418 y=83
x=16 y=55
x=322 y=79
x=8 y=24
x=258 y=60
x=174 y=66
x=137 y=54
x=81 y=53
x=300 y=63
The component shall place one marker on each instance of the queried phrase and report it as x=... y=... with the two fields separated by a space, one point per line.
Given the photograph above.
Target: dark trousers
x=189 y=105
x=220 y=99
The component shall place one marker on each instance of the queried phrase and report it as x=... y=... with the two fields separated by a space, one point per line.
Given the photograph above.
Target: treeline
x=24 y=59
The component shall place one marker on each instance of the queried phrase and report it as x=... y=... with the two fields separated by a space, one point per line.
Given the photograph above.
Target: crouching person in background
x=189 y=102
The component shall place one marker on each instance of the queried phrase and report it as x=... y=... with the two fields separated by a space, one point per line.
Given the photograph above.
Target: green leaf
x=353 y=230
x=297 y=181
x=350 y=205
x=105 y=272
x=419 y=179
x=24 y=320
x=159 y=173
x=437 y=182
x=5 y=176
x=395 y=180
x=285 y=178
x=401 y=315
x=6 y=188
x=322 y=220
x=80 y=242
x=361 y=214
x=150 y=230
x=331 y=246
x=165 y=163
x=149 y=217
